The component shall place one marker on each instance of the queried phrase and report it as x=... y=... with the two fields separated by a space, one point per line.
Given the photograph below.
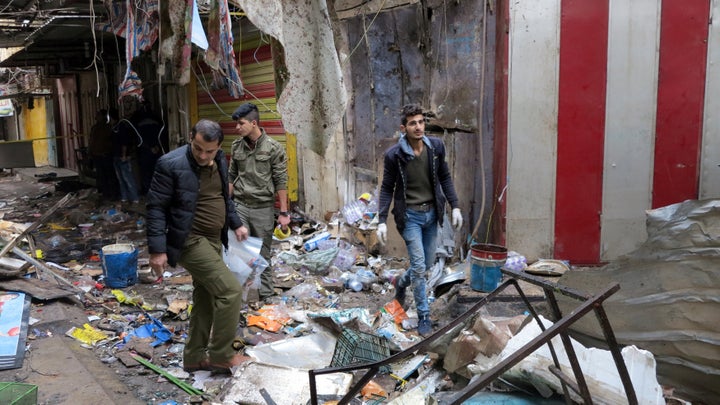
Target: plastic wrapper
x=244 y=261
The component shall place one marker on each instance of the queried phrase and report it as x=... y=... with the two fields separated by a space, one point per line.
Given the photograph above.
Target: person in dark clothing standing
x=189 y=212
x=152 y=132
x=100 y=150
x=125 y=140
x=417 y=179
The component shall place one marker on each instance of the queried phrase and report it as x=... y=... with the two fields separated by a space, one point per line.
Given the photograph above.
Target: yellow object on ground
x=87 y=335
x=136 y=300
x=280 y=234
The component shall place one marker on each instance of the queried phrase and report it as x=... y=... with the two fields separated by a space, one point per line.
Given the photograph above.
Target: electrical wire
x=364 y=2
x=203 y=84
x=364 y=35
x=95 y=54
x=137 y=133
x=160 y=88
x=257 y=49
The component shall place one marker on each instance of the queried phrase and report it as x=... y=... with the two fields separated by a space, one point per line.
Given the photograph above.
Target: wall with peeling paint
x=432 y=54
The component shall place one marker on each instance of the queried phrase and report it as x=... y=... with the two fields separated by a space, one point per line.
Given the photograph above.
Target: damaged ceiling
x=55 y=34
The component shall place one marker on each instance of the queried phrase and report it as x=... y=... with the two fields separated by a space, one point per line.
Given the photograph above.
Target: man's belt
x=424 y=207
x=257 y=205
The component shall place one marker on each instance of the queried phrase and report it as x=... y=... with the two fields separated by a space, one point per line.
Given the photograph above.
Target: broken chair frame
x=560 y=327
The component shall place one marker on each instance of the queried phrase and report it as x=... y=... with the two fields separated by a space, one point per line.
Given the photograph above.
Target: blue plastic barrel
x=119 y=264
x=485 y=274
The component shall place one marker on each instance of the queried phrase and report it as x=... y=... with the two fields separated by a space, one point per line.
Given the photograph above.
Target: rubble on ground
x=334 y=307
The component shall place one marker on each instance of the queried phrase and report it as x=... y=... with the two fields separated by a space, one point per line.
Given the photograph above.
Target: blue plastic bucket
x=485 y=274
x=119 y=264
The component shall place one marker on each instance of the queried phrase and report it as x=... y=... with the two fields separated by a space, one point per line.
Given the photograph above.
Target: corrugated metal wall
x=258 y=79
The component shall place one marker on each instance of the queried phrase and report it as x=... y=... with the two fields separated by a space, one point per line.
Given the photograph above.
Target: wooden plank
x=12 y=265
x=39 y=289
x=36 y=224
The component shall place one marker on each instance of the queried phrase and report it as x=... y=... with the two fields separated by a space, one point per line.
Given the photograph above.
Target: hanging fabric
x=220 y=55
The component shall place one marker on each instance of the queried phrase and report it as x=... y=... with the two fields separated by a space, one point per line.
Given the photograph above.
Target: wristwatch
x=284 y=213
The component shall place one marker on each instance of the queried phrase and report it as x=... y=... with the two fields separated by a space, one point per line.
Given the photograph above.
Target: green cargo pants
x=260 y=222
x=217 y=300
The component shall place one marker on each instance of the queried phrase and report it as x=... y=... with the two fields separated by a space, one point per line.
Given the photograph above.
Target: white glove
x=457 y=219
x=382 y=233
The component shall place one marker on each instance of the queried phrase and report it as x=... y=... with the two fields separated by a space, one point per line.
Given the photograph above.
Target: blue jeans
x=420 y=237
x=126 y=178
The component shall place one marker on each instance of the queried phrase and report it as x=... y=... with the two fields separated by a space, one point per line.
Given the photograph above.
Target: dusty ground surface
x=68 y=371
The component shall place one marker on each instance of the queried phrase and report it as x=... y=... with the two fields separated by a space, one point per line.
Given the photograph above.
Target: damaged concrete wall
x=409 y=51
x=431 y=53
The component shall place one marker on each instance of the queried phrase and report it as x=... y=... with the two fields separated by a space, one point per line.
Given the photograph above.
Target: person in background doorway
x=258 y=173
x=416 y=178
x=152 y=132
x=125 y=140
x=100 y=150
x=189 y=212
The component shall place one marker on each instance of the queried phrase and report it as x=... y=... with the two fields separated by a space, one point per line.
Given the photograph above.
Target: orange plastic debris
x=264 y=323
x=373 y=390
x=395 y=310
x=276 y=313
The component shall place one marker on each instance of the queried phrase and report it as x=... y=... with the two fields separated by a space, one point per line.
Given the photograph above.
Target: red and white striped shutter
x=609 y=113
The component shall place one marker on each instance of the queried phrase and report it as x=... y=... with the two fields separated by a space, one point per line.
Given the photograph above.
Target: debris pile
x=333 y=317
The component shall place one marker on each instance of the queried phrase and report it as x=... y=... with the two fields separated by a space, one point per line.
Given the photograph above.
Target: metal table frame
x=560 y=327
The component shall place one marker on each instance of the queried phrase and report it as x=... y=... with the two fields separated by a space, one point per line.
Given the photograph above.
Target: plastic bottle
x=312 y=244
x=355 y=284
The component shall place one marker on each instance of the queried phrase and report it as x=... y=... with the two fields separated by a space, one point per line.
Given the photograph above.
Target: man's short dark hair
x=248 y=111
x=410 y=110
x=210 y=131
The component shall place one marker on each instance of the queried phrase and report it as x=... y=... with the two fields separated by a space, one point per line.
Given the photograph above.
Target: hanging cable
x=365 y=31
x=481 y=115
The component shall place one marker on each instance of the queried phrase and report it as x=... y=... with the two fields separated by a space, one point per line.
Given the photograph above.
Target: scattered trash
x=154 y=329
x=313 y=243
x=333 y=306
x=87 y=334
x=598 y=368
x=548 y=267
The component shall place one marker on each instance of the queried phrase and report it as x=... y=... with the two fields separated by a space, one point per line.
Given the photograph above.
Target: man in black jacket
x=416 y=178
x=187 y=196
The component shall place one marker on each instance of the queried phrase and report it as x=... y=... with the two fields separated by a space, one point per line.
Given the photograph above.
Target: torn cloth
x=220 y=55
x=176 y=46
x=138 y=22
x=144 y=24
x=313 y=101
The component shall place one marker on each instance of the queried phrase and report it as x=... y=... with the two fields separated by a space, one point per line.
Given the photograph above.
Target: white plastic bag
x=244 y=261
